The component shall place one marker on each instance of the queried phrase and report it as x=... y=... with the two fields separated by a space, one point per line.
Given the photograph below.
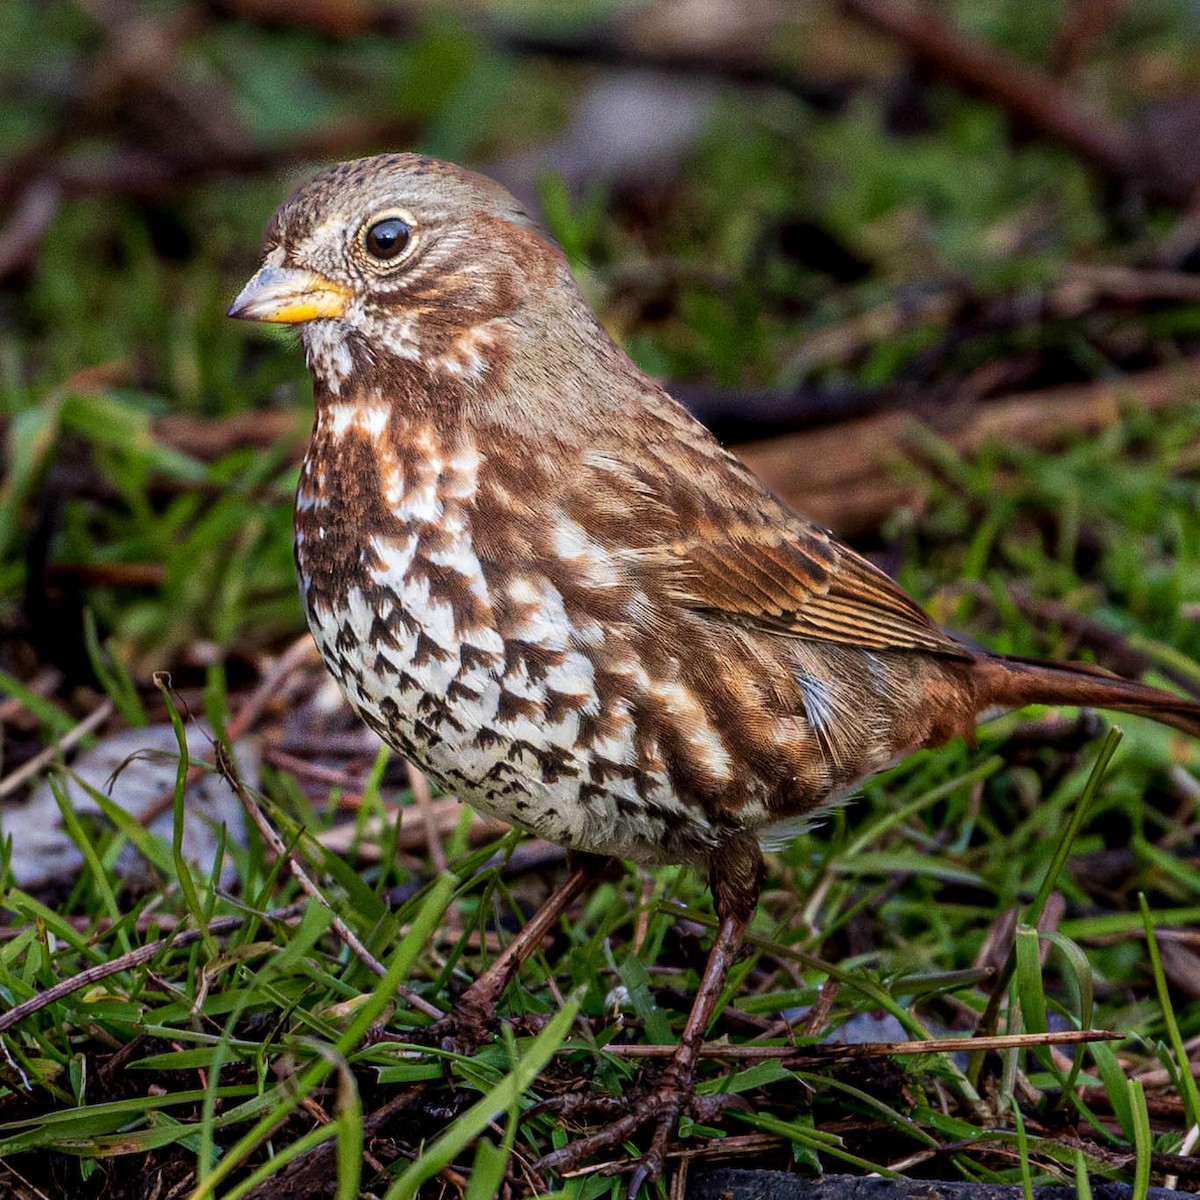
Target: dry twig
x=227 y=769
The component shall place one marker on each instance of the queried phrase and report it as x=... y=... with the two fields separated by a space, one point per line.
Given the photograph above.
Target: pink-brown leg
x=476 y=1007
x=735 y=880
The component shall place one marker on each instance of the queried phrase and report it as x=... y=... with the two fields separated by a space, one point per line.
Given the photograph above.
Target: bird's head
x=401 y=263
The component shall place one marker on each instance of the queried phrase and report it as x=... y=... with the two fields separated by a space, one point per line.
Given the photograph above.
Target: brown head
x=419 y=280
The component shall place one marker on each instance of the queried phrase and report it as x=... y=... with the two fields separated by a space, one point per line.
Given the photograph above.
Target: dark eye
x=387 y=238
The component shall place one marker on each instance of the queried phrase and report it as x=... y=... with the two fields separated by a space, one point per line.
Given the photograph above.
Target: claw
x=675 y=1093
x=662 y=1107
x=655 y=1159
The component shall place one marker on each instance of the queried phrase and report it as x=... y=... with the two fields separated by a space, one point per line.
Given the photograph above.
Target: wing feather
x=694 y=527
x=798 y=579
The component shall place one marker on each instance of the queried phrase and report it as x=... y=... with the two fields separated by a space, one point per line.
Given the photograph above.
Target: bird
x=541 y=580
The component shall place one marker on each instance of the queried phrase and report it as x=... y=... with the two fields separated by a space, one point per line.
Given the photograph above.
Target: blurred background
x=933 y=267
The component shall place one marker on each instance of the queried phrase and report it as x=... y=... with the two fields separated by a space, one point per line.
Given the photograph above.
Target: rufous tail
x=1014 y=682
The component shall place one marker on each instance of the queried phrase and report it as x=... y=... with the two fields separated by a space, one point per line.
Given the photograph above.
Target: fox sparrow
x=537 y=577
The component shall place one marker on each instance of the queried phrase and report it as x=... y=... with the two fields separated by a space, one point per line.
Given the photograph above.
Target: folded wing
x=795 y=578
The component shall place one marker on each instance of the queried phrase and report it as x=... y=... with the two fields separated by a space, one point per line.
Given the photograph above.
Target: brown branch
x=1085 y=23
x=1032 y=96
x=210 y=440
x=843 y=476
x=838 y=1052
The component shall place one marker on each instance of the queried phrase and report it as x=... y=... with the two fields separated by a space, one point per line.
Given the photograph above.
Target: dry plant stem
x=59 y=746
x=243 y=720
x=46 y=681
x=227 y=769
x=291 y=660
x=1185 y=1149
x=433 y=835
x=642 y=928
x=726 y=1147
x=302 y=769
x=820 y=1010
x=424 y=802
x=1186 y=1168
x=134 y=958
x=836 y=1053
x=679 y=1188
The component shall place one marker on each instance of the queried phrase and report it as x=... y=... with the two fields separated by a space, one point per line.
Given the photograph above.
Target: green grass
x=228 y=1047
x=231 y=1046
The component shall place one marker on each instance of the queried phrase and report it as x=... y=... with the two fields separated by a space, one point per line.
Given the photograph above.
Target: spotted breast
x=479 y=676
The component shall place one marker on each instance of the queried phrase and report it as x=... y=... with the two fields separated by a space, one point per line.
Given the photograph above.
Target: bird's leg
x=735 y=878
x=476 y=1007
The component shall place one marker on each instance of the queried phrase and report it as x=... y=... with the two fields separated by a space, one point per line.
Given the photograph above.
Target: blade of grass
x=430 y=912
x=346 y=1127
x=86 y=846
x=987 y=1023
x=491 y=1162
x=1115 y=1085
x=1143 y=1139
x=113 y=676
x=1085 y=981
x=505 y=1095
x=1191 y=1101
x=1023 y=1152
x=1083 y=1182
x=183 y=870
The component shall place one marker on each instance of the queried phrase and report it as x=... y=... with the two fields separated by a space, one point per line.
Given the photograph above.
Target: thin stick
x=269 y=686
x=44 y=758
x=1185 y=1149
x=424 y=803
x=42 y=684
x=433 y=837
x=819 y=1012
x=228 y=771
x=1002 y=1041
x=241 y=721
x=134 y=958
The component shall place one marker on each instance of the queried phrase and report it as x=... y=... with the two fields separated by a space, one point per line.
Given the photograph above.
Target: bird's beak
x=289 y=296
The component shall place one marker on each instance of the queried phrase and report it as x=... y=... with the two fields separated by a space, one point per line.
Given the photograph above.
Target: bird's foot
x=661 y=1107
x=460 y=1031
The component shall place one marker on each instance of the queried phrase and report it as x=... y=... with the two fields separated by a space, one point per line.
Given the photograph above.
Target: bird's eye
x=387 y=239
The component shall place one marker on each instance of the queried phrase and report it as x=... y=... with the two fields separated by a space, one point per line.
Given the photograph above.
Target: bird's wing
x=794 y=577
x=694 y=526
